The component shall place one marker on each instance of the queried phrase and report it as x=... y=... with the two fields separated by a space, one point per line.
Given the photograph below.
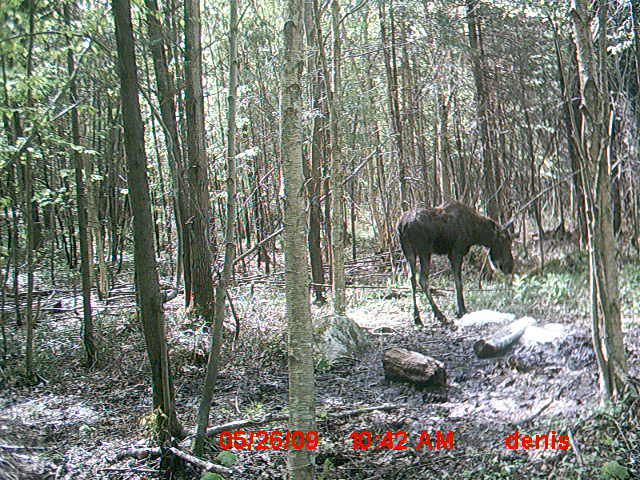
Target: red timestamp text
x=398 y=440
x=265 y=440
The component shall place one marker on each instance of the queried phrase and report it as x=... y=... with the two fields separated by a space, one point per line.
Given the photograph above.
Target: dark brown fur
x=450 y=229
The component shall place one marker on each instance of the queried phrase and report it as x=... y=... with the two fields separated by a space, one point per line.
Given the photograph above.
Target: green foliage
x=562 y=288
x=574 y=262
x=559 y=287
x=226 y=458
x=551 y=289
x=614 y=471
x=525 y=287
x=328 y=470
x=211 y=476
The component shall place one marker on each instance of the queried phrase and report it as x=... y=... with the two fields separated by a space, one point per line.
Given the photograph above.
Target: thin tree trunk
x=312 y=171
x=337 y=172
x=444 y=102
x=167 y=102
x=221 y=289
x=482 y=100
x=83 y=219
x=570 y=95
x=392 y=101
x=11 y=186
x=146 y=274
x=28 y=206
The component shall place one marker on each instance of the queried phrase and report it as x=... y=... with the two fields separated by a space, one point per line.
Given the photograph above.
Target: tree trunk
x=12 y=181
x=300 y=349
x=197 y=168
x=392 y=101
x=213 y=362
x=571 y=115
x=28 y=206
x=446 y=175
x=167 y=101
x=146 y=275
x=83 y=219
x=482 y=100
x=337 y=172
x=312 y=171
x=594 y=145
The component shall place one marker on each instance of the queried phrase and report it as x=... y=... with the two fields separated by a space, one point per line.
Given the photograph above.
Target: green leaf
x=226 y=458
x=211 y=476
x=615 y=471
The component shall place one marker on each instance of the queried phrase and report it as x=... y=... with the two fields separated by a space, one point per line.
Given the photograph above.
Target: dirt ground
x=79 y=420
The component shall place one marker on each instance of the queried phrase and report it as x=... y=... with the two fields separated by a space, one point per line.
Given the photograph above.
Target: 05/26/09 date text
x=268 y=440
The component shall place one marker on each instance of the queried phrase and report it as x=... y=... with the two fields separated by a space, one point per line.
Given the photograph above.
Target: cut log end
x=413 y=367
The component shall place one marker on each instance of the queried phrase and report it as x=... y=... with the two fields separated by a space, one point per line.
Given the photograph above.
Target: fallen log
x=501 y=340
x=413 y=367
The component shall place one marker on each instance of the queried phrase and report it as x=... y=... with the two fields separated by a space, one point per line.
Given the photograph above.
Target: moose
x=450 y=229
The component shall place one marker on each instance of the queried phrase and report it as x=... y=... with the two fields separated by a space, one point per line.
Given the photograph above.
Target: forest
x=368 y=239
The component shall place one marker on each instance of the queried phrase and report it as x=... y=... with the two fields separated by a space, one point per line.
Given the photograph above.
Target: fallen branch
x=258 y=245
x=198 y=462
x=246 y=423
x=359 y=411
x=157 y=451
x=139 y=453
x=546 y=404
x=132 y=470
x=19 y=448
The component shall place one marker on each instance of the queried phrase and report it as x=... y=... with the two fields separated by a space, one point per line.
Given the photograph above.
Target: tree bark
x=146 y=275
x=167 y=102
x=300 y=349
x=27 y=171
x=572 y=126
x=392 y=100
x=337 y=171
x=201 y=238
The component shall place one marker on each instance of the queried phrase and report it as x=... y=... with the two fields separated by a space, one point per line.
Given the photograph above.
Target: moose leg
x=412 y=265
x=425 y=264
x=456 y=268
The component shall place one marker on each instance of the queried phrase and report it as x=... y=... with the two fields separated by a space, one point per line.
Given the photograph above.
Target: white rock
x=484 y=317
x=534 y=335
